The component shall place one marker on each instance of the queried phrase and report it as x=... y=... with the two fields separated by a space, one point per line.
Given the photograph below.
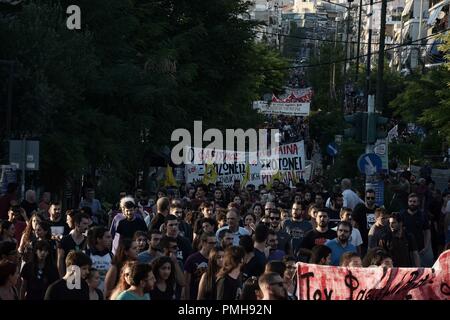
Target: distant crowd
x=210 y=242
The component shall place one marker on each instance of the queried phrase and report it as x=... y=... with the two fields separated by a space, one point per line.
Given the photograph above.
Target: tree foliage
x=107 y=97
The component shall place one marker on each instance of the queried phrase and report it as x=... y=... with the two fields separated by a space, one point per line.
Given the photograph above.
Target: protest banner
x=285 y=108
x=287 y=159
x=223 y=172
x=317 y=282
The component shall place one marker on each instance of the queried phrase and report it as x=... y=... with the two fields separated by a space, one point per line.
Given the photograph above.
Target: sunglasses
x=274 y=218
x=370 y=198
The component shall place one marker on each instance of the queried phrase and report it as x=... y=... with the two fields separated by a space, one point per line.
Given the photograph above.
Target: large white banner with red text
x=317 y=282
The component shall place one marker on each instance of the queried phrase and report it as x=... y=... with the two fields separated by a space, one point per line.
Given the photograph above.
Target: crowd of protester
x=210 y=242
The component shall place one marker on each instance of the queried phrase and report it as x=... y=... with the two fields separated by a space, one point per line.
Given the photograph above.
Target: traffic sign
x=332 y=149
x=369 y=164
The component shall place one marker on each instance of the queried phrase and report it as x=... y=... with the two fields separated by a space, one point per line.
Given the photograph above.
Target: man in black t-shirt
x=75 y=240
x=173 y=231
x=162 y=208
x=364 y=216
x=56 y=220
x=319 y=235
x=73 y=285
x=416 y=222
x=196 y=264
x=400 y=244
x=336 y=202
x=127 y=227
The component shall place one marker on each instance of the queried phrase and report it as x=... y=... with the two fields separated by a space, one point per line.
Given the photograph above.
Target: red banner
x=317 y=282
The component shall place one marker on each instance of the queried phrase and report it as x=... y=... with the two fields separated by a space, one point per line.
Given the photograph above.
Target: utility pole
x=419 y=35
x=369 y=52
x=347 y=34
x=358 y=45
x=380 y=85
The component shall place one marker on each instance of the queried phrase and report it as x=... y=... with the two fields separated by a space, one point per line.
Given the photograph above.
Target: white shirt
x=355 y=238
x=236 y=235
x=351 y=199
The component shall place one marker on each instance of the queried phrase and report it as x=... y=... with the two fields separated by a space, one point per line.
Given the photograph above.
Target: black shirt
x=127 y=228
x=416 y=224
x=365 y=218
x=157 y=222
x=185 y=249
x=157 y=294
x=68 y=244
x=59 y=291
x=38 y=280
x=253 y=268
x=60 y=223
x=400 y=249
x=334 y=218
x=227 y=288
x=284 y=241
x=315 y=238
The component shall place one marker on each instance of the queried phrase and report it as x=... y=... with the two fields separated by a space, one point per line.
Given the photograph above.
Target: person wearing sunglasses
x=364 y=217
x=272 y=286
x=284 y=239
x=341 y=243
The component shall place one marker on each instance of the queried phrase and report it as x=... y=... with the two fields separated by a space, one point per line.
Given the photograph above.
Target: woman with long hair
x=257 y=211
x=207 y=285
x=43 y=231
x=28 y=236
x=228 y=278
x=127 y=250
x=122 y=284
x=165 y=285
x=39 y=273
x=250 y=222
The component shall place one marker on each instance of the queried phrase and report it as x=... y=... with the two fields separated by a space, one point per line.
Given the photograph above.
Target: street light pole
x=380 y=85
x=358 y=46
x=369 y=52
x=347 y=34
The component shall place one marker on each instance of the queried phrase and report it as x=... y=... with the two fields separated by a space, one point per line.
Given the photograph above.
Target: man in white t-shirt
x=351 y=199
x=355 y=238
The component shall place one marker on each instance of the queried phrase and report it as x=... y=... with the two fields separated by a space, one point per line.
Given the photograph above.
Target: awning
x=435 y=10
x=407 y=7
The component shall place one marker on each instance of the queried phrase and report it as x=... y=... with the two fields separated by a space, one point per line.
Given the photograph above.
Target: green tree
x=106 y=98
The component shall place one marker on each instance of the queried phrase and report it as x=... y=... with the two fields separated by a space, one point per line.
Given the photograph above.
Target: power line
x=360 y=56
x=322 y=40
x=308 y=38
x=356 y=6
